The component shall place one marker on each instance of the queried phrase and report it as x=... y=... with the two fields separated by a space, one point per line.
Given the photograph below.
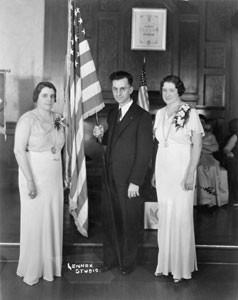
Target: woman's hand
x=22 y=134
x=32 y=192
x=189 y=182
x=230 y=146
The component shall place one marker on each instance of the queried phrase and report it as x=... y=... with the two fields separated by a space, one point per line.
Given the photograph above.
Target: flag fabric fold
x=83 y=98
x=143 y=97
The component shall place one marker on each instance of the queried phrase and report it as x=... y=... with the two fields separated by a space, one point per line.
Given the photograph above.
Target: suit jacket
x=129 y=153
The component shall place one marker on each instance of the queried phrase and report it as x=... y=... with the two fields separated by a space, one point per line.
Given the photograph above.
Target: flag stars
x=143 y=79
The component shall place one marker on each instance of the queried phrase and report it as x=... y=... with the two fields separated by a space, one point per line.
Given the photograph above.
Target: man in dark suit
x=128 y=154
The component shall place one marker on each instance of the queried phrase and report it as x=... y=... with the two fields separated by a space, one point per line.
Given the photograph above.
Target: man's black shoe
x=127 y=270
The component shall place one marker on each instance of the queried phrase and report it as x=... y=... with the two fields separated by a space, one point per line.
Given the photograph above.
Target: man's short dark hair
x=120 y=75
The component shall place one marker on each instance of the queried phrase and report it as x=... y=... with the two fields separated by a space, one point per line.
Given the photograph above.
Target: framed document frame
x=148 y=29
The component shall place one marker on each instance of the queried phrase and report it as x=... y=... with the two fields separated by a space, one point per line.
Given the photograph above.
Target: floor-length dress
x=176 y=240
x=231 y=164
x=212 y=182
x=41 y=230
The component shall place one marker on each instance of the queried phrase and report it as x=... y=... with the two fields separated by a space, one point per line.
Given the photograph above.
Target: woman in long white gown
x=39 y=139
x=179 y=132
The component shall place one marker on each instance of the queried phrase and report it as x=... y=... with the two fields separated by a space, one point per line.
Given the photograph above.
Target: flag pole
x=108 y=194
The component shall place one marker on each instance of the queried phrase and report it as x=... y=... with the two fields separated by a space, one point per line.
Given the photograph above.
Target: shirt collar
x=125 y=108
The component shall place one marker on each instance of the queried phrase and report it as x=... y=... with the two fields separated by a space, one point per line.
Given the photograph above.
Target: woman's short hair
x=40 y=86
x=202 y=117
x=120 y=75
x=176 y=81
x=233 y=126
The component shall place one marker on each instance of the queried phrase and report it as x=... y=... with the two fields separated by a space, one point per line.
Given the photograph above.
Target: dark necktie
x=119 y=115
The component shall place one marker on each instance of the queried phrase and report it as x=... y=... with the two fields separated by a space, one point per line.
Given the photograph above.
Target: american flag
x=82 y=99
x=143 y=97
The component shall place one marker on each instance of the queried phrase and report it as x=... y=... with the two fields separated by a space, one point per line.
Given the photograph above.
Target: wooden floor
x=211 y=282
x=216 y=228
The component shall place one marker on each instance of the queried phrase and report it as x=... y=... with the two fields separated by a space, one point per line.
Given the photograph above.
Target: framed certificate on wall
x=148 y=29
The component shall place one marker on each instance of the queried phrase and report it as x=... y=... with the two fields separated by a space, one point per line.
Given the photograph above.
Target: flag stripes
x=83 y=99
x=143 y=97
x=86 y=68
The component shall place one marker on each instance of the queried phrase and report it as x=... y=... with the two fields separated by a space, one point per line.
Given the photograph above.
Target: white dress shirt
x=125 y=108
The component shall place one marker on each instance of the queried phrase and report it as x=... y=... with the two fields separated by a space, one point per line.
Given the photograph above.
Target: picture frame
x=148 y=30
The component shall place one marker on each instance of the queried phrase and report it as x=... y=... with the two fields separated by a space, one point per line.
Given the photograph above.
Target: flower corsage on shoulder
x=59 y=122
x=182 y=116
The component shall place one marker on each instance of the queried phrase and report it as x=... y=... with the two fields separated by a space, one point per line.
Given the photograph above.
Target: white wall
x=22 y=51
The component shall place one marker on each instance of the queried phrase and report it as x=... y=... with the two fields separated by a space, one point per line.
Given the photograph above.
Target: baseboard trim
x=10 y=244
x=98 y=245
x=217 y=246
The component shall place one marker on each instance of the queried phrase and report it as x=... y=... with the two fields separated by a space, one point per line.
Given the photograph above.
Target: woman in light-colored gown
x=230 y=152
x=212 y=183
x=39 y=139
x=179 y=133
